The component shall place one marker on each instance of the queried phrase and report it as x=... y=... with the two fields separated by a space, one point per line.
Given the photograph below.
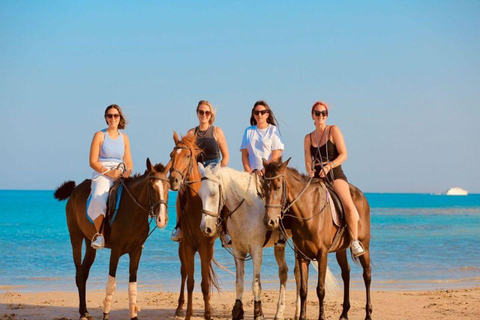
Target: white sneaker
x=99 y=242
x=357 y=248
x=226 y=240
x=177 y=235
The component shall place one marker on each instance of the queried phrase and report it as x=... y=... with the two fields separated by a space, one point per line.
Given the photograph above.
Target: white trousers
x=99 y=195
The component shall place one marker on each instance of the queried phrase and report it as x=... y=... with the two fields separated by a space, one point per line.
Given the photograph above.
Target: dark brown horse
x=184 y=175
x=143 y=196
x=313 y=229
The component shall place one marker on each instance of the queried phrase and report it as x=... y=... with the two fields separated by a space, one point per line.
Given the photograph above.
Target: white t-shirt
x=260 y=143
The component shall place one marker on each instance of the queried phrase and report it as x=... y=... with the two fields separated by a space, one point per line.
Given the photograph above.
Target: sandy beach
x=387 y=305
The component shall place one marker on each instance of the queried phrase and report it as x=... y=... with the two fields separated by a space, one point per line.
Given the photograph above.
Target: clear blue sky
x=402 y=78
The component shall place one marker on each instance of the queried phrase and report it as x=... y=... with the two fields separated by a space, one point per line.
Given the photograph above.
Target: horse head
x=158 y=186
x=211 y=194
x=275 y=191
x=182 y=160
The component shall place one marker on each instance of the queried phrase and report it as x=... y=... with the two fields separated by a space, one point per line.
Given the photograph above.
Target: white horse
x=237 y=191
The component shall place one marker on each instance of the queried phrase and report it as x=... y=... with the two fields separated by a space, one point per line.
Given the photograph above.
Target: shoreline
x=387 y=305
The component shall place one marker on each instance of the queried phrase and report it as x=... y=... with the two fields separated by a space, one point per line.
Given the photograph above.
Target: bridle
x=284 y=200
x=221 y=202
x=151 y=204
x=185 y=174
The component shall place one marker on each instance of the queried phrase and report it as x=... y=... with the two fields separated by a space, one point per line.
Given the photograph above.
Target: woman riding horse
x=109 y=148
x=211 y=140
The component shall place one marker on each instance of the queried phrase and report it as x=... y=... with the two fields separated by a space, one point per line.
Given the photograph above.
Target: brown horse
x=143 y=196
x=184 y=175
x=313 y=229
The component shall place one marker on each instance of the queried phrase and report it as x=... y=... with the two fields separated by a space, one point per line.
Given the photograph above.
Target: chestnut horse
x=185 y=177
x=313 y=229
x=143 y=196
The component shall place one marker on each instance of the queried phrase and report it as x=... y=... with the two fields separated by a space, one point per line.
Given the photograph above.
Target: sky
x=402 y=79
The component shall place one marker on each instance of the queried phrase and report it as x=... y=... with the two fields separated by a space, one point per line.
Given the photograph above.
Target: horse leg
x=237 y=312
x=88 y=260
x=322 y=271
x=343 y=262
x=257 y=255
x=190 y=265
x=183 y=273
x=111 y=284
x=303 y=269
x=296 y=272
x=205 y=262
x=132 y=285
x=367 y=278
x=283 y=276
x=77 y=242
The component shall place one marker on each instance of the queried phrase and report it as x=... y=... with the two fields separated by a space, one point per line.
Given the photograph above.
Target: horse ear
x=264 y=162
x=149 y=165
x=175 y=137
x=284 y=165
x=201 y=168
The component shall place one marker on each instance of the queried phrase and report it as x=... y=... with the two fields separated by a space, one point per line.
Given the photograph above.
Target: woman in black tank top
x=325 y=151
x=213 y=143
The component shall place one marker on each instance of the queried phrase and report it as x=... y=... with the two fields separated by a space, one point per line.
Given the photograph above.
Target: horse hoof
x=106 y=316
x=179 y=313
x=237 y=312
x=136 y=318
x=207 y=316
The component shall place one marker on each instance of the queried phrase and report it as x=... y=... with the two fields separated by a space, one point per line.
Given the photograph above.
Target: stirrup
x=177 y=235
x=281 y=242
x=226 y=240
x=98 y=242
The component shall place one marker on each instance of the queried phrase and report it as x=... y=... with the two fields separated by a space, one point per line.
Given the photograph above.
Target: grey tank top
x=206 y=141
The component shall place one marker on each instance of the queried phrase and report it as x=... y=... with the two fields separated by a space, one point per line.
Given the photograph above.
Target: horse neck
x=227 y=177
x=310 y=199
x=194 y=182
x=138 y=188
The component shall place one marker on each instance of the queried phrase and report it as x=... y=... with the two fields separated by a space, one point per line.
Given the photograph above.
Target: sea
x=419 y=242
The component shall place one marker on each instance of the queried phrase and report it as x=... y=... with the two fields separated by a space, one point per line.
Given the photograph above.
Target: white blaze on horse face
x=162 y=214
x=210 y=200
x=179 y=150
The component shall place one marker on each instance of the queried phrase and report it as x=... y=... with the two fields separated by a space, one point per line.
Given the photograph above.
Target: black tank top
x=206 y=141
x=325 y=156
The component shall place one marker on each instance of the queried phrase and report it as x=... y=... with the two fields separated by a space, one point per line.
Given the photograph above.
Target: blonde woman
x=211 y=140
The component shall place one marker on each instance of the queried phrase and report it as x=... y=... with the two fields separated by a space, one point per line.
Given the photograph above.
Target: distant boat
x=456 y=192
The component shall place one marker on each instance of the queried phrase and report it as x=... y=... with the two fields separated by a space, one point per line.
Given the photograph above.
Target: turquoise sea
x=419 y=241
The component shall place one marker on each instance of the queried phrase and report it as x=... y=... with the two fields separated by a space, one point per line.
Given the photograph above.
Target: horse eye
x=277 y=188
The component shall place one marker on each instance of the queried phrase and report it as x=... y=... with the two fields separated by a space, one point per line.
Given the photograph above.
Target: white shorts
x=97 y=201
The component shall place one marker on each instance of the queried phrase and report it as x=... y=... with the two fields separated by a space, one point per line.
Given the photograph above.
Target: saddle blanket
x=110 y=215
x=337 y=219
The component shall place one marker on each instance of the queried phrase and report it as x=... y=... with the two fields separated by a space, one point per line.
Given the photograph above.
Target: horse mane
x=233 y=182
x=159 y=167
x=190 y=142
x=293 y=172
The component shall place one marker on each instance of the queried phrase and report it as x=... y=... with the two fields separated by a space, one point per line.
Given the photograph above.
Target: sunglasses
x=201 y=112
x=110 y=116
x=322 y=113
x=262 y=112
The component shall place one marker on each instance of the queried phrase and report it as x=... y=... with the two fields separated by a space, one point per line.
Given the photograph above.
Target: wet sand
x=387 y=305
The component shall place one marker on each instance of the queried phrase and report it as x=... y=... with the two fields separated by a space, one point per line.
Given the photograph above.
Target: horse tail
x=64 y=191
x=331 y=283
x=213 y=274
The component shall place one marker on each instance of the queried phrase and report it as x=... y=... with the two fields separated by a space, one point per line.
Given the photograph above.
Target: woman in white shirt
x=262 y=139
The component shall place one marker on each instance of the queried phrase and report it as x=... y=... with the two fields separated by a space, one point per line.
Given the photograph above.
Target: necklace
x=201 y=134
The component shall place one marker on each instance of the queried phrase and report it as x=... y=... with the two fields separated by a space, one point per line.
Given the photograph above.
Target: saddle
x=113 y=202
x=338 y=216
